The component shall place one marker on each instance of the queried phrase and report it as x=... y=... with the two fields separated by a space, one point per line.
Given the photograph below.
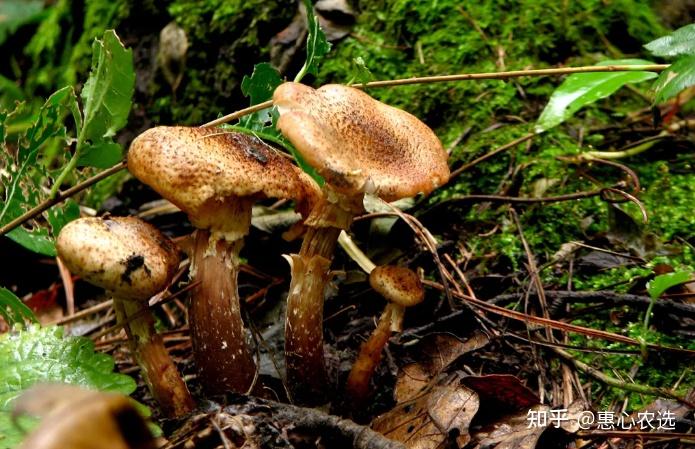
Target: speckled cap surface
x=201 y=169
x=123 y=255
x=360 y=144
x=398 y=285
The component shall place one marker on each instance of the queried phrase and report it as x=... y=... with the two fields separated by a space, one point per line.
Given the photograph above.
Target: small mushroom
x=215 y=177
x=358 y=145
x=402 y=288
x=132 y=261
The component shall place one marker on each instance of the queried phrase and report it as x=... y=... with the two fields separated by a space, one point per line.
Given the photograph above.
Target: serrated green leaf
x=107 y=95
x=13 y=310
x=657 y=286
x=317 y=46
x=581 y=89
x=40 y=355
x=680 y=42
x=15 y=13
x=24 y=176
x=679 y=76
x=259 y=87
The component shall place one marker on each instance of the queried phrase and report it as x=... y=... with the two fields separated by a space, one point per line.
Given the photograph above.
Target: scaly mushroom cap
x=359 y=144
x=204 y=171
x=123 y=255
x=398 y=285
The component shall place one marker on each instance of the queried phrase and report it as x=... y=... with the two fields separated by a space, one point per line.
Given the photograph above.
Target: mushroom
x=402 y=288
x=132 y=261
x=77 y=418
x=215 y=177
x=358 y=145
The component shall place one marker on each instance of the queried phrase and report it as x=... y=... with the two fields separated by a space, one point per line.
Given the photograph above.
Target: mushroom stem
x=157 y=368
x=306 y=370
x=357 y=387
x=217 y=330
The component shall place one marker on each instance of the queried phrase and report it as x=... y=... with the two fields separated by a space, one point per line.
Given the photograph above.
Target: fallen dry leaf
x=437 y=352
x=427 y=421
x=513 y=432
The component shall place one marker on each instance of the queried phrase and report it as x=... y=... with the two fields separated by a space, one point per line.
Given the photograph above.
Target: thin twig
x=460 y=77
x=47 y=204
x=514 y=74
x=488 y=155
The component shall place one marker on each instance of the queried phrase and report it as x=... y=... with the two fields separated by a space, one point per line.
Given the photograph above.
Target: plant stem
x=63 y=174
x=217 y=331
x=157 y=368
x=461 y=77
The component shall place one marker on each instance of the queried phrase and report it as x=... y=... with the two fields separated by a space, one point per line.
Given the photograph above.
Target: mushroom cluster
x=358 y=145
x=215 y=177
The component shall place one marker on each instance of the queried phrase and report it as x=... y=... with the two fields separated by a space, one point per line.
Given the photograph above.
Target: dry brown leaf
x=513 y=432
x=438 y=351
x=426 y=421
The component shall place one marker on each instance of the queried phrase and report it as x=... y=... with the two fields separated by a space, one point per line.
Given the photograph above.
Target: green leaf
x=316 y=44
x=43 y=355
x=36 y=239
x=657 y=286
x=25 y=178
x=101 y=155
x=679 y=76
x=107 y=97
x=581 y=89
x=15 y=13
x=13 y=310
x=259 y=87
x=680 y=42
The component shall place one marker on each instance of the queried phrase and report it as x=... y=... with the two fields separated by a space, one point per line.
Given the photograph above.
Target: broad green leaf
x=107 y=96
x=259 y=87
x=40 y=355
x=679 y=76
x=15 y=13
x=36 y=239
x=102 y=154
x=657 y=286
x=581 y=89
x=13 y=310
x=680 y=42
x=316 y=44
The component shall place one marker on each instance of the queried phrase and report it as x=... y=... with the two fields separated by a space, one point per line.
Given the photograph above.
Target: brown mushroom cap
x=360 y=144
x=123 y=255
x=204 y=170
x=398 y=285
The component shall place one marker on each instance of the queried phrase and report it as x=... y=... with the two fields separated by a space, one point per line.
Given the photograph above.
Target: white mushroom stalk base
x=221 y=353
